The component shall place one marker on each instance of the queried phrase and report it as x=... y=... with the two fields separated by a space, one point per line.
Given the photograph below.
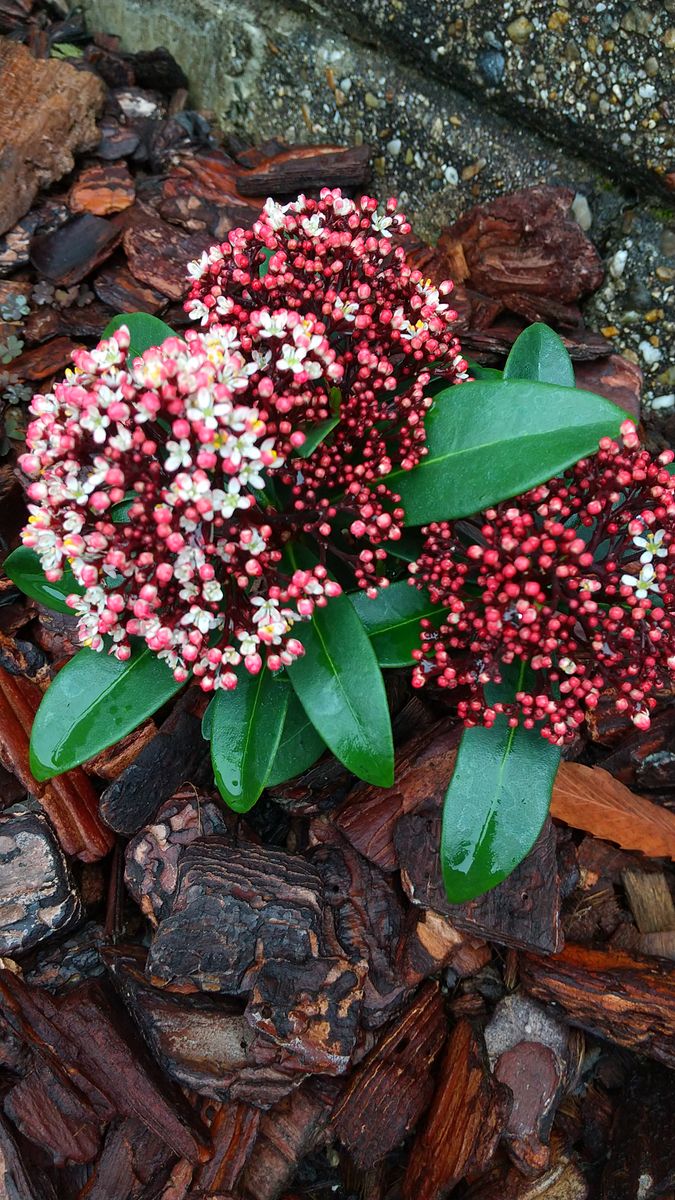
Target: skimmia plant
x=310 y=486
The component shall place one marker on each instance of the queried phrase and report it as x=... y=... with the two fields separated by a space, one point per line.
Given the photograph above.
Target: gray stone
x=576 y=70
x=268 y=68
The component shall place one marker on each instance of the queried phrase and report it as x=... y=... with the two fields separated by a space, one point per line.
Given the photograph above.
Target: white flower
x=96 y=422
x=347 y=311
x=567 y=665
x=179 y=455
x=312 y=225
x=249 y=642
x=202 y=407
x=198 y=266
x=198 y=311
x=342 y=206
x=224 y=305
x=431 y=295
x=260 y=361
x=291 y=359
x=274 y=213
x=382 y=225
x=212 y=591
x=643 y=583
x=651 y=545
x=272 y=324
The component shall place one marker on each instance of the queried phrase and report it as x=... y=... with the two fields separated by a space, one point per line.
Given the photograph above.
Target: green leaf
x=65 y=50
x=480 y=372
x=392 y=621
x=144 y=331
x=540 y=354
x=23 y=568
x=300 y=745
x=340 y=687
x=93 y=702
x=495 y=806
x=265 y=264
x=119 y=513
x=315 y=435
x=246 y=727
x=489 y=441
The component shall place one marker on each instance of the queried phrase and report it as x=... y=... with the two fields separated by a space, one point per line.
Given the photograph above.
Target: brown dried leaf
x=591 y=799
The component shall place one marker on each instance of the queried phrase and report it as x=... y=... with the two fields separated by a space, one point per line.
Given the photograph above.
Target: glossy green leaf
x=300 y=745
x=495 y=806
x=340 y=687
x=315 y=435
x=246 y=727
x=119 y=513
x=144 y=331
x=540 y=354
x=93 y=702
x=23 y=568
x=488 y=441
x=478 y=371
x=265 y=264
x=392 y=621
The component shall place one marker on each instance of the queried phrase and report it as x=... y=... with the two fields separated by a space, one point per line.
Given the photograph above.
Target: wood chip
x=466 y=1119
x=614 y=995
x=74 y=251
x=158 y=254
x=49 y=112
x=302 y=168
x=102 y=190
x=650 y=901
x=37 y=895
x=388 y=1093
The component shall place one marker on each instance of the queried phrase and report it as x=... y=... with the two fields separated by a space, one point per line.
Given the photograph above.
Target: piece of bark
x=20 y=1180
x=303 y=168
x=466 y=1118
x=431 y=942
x=102 y=190
x=74 y=251
x=177 y=752
x=205 y=1044
x=118 y=288
x=86 y=1043
x=254 y=920
x=69 y=800
x=614 y=995
x=563 y=1180
x=620 y=380
x=389 y=1091
x=15 y=245
x=37 y=895
x=116 y=140
x=68 y=962
x=311 y=1008
x=49 y=112
x=660 y=944
x=132 y=1157
x=523 y=911
x=151 y=857
x=650 y=901
x=526 y=241
x=641 y=1157
x=369 y=815
x=41 y=362
x=286 y=1134
x=233 y=909
x=110 y=763
x=158 y=253
x=51 y=1113
x=233 y=1131
x=368 y=917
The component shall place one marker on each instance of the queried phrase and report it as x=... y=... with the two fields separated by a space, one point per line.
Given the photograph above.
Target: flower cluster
x=146 y=479
x=172 y=484
x=389 y=327
x=573 y=582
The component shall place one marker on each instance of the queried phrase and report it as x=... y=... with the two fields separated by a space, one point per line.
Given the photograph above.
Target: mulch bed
x=195 y=1005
